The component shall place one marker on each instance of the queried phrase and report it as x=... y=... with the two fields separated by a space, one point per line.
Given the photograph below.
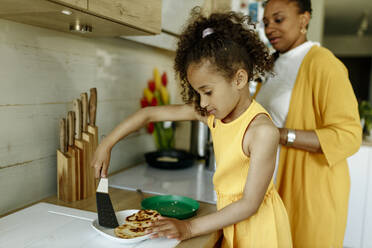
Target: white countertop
x=45 y=225
x=194 y=182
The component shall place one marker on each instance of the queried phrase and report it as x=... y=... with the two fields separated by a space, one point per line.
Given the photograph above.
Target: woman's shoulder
x=320 y=56
x=321 y=59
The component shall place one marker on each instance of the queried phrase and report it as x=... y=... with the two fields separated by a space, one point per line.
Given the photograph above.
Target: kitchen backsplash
x=42 y=71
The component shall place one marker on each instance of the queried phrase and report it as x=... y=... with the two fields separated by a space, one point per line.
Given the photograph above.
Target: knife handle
x=84 y=107
x=78 y=122
x=71 y=127
x=62 y=135
x=92 y=106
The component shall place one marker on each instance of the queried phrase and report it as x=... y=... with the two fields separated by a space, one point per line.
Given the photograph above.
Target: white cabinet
x=367 y=227
x=176 y=13
x=359 y=223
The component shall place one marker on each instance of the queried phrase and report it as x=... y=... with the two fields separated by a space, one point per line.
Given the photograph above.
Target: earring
x=303 y=31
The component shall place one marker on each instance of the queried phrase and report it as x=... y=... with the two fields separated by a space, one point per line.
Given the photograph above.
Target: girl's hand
x=170 y=228
x=101 y=160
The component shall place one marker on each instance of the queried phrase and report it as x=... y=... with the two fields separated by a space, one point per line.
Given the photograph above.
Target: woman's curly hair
x=232 y=45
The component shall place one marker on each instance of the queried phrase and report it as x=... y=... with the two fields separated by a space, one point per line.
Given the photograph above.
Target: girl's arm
x=142 y=117
x=305 y=140
x=260 y=143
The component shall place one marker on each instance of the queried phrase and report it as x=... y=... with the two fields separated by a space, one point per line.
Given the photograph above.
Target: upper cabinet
x=145 y=15
x=82 y=4
x=98 y=18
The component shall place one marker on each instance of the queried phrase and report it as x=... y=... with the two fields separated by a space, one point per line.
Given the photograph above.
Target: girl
x=215 y=60
x=311 y=101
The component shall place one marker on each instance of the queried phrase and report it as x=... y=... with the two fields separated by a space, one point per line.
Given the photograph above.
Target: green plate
x=174 y=206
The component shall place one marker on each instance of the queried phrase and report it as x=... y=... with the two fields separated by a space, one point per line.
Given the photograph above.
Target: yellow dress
x=269 y=227
x=314 y=186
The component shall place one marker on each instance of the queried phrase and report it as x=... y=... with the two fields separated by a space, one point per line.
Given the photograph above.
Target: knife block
x=93 y=130
x=90 y=177
x=75 y=176
x=65 y=177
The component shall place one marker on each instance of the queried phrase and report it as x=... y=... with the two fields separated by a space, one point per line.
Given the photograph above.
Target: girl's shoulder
x=261 y=132
x=262 y=128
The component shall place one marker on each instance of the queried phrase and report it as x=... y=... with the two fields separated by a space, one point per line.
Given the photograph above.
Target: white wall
x=316 y=26
x=41 y=72
x=349 y=45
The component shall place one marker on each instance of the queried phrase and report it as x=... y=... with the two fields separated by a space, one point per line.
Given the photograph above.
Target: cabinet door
x=144 y=15
x=358 y=167
x=81 y=4
x=367 y=228
x=48 y=14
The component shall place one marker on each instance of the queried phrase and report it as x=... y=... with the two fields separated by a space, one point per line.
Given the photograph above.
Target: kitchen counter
x=124 y=199
x=195 y=182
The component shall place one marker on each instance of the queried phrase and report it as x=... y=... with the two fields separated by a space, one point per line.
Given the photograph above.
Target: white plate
x=109 y=232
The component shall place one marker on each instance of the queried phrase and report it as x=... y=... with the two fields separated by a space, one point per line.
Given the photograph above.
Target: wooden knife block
x=93 y=130
x=66 y=176
x=75 y=176
x=89 y=171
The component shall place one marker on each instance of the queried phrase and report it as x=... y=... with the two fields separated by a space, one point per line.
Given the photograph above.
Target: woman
x=311 y=100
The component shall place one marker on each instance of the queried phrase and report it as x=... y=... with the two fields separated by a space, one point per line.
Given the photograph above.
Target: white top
x=275 y=93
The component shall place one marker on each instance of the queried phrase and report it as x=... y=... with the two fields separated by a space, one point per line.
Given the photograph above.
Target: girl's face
x=283 y=24
x=217 y=95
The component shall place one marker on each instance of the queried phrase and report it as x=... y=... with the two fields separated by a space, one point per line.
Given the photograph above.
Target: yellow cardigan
x=315 y=186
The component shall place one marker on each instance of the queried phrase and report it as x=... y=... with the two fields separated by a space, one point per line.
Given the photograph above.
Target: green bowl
x=173 y=206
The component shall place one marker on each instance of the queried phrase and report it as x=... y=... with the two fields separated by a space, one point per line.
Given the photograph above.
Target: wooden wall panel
x=42 y=71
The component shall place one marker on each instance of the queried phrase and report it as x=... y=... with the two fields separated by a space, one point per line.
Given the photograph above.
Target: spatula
x=106 y=213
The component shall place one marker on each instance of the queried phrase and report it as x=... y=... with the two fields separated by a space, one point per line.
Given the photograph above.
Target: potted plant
x=365 y=112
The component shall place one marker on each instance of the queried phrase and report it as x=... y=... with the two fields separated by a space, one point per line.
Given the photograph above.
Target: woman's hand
x=170 y=228
x=101 y=159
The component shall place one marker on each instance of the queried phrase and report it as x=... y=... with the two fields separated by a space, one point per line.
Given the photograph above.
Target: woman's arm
x=101 y=158
x=260 y=142
x=305 y=140
x=336 y=133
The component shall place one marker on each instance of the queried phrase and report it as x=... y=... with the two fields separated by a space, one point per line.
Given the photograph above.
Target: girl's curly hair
x=232 y=45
